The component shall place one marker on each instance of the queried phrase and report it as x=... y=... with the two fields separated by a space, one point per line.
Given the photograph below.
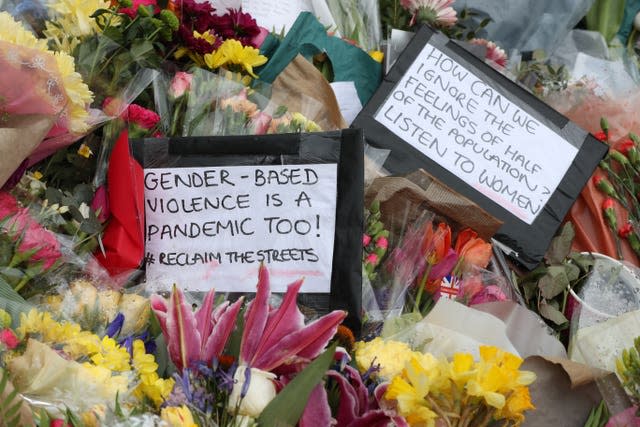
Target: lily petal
x=203 y=315
x=317 y=412
x=283 y=321
x=220 y=333
x=182 y=336
x=255 y=319
x=307 y=342
x=349 y=407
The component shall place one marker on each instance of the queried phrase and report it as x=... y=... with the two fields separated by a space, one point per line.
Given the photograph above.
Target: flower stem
x=421 y=285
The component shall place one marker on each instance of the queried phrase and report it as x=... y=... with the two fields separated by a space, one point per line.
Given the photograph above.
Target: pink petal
x=222 y=329
x=204 y=315
x=283 y=321
x=255 y=318
x=159 y=307
x=360 y=389
x=445 y=266
x=378 y=418
x=349 y=407
x=317 y=412
x=183 y=337
x=307 y=342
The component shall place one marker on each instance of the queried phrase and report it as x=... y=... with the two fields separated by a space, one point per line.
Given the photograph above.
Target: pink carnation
x=180 y=84
x=9 y=339
x=8 y=205
x=142 y=117
x=372 y=259
x=366 y=239
x=382 y=242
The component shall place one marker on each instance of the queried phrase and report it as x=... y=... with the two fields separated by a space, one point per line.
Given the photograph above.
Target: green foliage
x=287 y=407
x=546 y=288
x=11 y=403
x=628 y=367
x=598 y=416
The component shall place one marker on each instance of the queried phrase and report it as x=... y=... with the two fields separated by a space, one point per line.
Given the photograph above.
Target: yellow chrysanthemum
x=74 y=16
x=392 y=356
x=76 y=91
x=207 y=36
x=151 y=385
x=233 y=54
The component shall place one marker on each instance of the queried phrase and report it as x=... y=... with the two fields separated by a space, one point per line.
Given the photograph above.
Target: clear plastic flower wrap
x=201 y=103
x=357 y=20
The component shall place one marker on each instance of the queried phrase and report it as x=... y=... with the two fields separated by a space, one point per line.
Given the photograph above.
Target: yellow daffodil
x=178 y=416
x=151 y=385
x=410 y=393
x=517 y=402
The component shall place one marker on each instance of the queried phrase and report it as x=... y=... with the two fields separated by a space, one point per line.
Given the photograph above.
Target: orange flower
x=472 y=250
x=436 y=244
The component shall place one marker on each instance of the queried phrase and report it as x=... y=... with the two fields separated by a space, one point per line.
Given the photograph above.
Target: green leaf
x=554 y=282
x=13 y=411
x=549 y=312
x=572 y=271
x=561 y=245
x=287 y=407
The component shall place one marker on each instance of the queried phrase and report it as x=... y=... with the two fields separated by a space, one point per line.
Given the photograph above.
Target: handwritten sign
x=474 y=131
x=212 y=226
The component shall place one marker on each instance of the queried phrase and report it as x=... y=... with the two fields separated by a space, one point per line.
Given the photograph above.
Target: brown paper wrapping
x=300 y=83
x=403 y=200
x=19 y=136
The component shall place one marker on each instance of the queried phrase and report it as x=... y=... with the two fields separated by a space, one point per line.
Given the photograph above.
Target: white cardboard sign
x=213 y=226
x=475 y=132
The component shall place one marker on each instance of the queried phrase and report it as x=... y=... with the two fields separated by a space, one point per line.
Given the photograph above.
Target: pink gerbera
x=435 y=12
x=494 y=52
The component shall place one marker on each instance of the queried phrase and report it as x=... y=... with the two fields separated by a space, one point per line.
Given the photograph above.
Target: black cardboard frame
x=527 y=244
x=346 y=148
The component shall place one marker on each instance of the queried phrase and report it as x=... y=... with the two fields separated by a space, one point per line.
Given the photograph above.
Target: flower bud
x=604 y=185
x=253 y=389
x=366 y=239
x=618 y=157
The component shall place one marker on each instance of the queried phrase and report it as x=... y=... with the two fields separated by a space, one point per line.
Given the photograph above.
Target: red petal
x=255 y=319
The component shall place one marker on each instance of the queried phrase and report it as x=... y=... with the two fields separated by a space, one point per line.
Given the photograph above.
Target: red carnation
x=625 y=230
x=608 y=203
x=133 y=10
x=142 y=117
x=601 y=136
x=625 y=145
x=238 y=25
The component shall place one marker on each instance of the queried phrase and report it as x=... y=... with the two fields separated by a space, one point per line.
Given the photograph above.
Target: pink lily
x=193 y=337
x=275 y=337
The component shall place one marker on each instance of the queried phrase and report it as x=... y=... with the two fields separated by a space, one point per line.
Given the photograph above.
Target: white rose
x=261 y=391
